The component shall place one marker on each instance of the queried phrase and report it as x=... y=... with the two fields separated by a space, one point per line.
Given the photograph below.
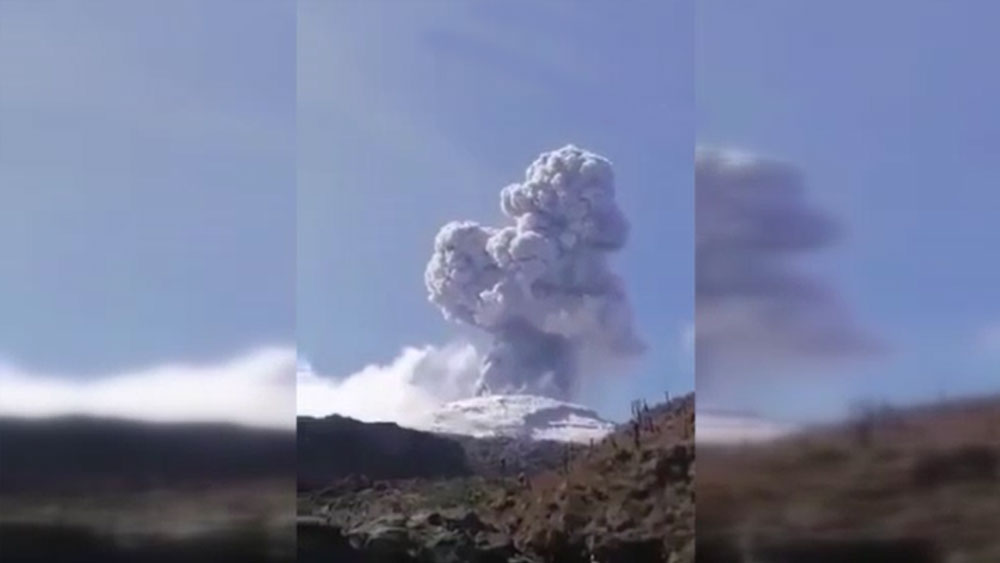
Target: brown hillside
x=925 y=480
x=628 y=498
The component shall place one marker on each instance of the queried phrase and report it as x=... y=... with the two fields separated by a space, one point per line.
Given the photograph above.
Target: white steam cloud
x=255 y=389
x=540 y=287
x=405 y=391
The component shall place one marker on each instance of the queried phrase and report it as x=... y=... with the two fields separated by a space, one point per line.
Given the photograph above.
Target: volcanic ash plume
x=540 y=287
x=751 y=305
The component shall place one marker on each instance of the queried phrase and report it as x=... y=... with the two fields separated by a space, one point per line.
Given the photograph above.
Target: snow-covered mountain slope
x=528 y=416
x=733 y=428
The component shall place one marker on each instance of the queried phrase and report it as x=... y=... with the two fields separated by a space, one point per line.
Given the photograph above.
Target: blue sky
x=889 y=109
x=149 y=160
x=147 y=168
x=414 y=114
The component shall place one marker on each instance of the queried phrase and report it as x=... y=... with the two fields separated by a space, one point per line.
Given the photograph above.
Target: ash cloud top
x=541 y=286
x=751 y=217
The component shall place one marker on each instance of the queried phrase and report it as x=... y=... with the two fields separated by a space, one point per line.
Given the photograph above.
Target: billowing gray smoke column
x=752 y=307
x=541 y=286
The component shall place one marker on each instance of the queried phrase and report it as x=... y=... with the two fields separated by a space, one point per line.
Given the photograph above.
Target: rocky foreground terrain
x=915 y=485
x=82 y=489
x=626 y=498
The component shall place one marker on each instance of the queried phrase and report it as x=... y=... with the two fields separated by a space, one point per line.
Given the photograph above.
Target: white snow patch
x=526 y=416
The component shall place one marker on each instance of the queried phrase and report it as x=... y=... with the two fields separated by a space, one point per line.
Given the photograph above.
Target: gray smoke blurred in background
x=752 y=307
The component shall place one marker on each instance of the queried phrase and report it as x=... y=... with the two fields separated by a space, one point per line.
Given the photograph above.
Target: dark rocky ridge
x=89 y=455
x=335 y=447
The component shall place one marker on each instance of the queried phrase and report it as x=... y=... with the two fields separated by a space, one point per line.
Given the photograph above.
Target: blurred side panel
x=847 y=301
x=147 y=172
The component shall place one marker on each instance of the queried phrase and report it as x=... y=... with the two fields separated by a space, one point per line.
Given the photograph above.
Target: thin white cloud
x=404 y=391
x=254 y=389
